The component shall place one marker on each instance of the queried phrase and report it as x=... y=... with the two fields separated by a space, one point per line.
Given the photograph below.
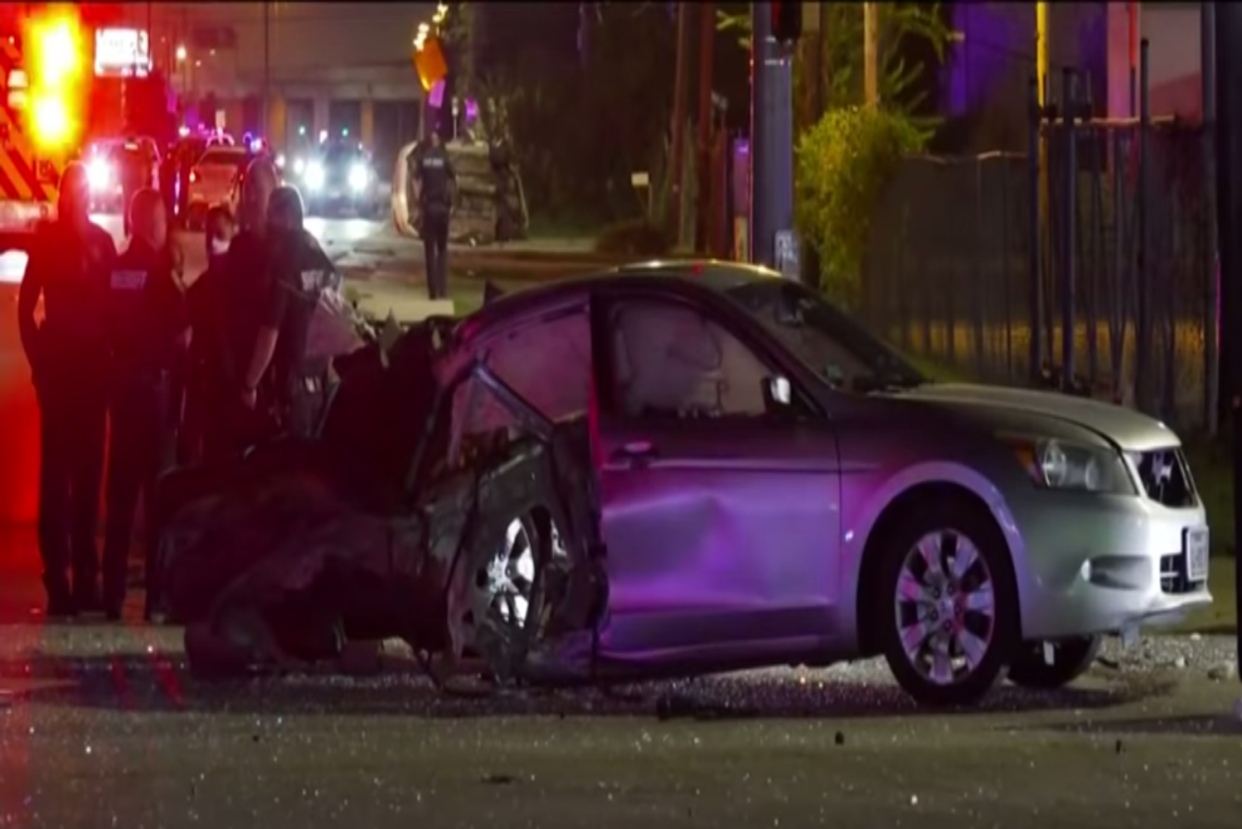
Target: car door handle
x=636 y=452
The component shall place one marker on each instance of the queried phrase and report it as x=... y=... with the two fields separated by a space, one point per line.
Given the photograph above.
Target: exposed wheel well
x=889 y=520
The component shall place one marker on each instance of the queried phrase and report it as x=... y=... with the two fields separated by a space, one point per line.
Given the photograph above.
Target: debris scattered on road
x=499 y=779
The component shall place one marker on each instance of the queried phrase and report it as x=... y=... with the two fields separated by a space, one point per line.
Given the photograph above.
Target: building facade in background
x=991 y=67
x=331 y=67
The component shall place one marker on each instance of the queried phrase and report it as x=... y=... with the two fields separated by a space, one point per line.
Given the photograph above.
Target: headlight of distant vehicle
x=1055 y=464
x=98 y=174
x=314 y=176
x=299 y=166
x=359 y=177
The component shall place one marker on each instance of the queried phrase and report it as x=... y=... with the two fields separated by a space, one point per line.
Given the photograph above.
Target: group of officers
x=162 y=368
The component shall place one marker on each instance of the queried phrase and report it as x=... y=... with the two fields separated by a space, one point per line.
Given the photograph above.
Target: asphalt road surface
x=102 y=725
x=19 y=433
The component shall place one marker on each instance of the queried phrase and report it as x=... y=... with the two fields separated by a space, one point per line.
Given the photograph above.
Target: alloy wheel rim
x=945 y=607
x=509 y=576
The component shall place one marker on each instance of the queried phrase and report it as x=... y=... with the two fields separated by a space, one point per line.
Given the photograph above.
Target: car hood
x=1127 y=428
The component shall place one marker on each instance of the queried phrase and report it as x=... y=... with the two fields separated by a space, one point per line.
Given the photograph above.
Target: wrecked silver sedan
x=690 y=469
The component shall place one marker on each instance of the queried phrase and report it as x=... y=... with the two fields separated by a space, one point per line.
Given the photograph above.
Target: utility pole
x=707 y=42
x=771 y=139
x=1229 y=215
x=871 y=53
x=267 y=65
x=679 y=124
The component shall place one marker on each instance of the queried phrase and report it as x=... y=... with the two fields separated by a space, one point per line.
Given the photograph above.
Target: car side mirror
x=777 y=393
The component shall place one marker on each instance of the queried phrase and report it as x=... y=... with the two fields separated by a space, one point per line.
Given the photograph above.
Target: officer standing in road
x=436 y=192
x=69 y=267
x=242 y=288
x=148 y=331
x=301 y=271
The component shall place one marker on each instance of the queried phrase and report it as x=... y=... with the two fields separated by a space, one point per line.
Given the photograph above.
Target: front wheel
x=1070 y=659
x=947 y=604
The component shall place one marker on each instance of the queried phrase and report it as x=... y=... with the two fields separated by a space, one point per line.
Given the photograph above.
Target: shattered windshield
x=835 y=346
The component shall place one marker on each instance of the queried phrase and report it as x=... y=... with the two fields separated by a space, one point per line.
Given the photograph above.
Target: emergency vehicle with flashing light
x=54 y=100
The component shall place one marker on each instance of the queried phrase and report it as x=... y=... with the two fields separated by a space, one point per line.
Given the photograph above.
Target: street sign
x=122 y=52
x=787 y=255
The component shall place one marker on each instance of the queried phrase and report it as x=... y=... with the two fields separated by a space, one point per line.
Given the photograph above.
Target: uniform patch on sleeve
x=313 y=280
x=128 y=280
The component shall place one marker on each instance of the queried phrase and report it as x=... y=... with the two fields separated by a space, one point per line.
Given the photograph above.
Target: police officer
x=69 y=267
x=203 y=381
x=437 y=183
x=241 y=291
x=148 y=331
x=300 y=273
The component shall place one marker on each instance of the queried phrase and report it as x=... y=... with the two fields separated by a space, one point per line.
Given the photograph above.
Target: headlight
x=359 y=175
x=98 y=174
x=280 y=161
x=299 y=166
x=314 y=176
x=1055 y=464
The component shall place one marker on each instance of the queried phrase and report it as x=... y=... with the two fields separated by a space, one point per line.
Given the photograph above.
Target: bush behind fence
x=947 y=273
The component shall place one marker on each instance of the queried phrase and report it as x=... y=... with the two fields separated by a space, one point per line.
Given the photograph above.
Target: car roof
x=687 y=275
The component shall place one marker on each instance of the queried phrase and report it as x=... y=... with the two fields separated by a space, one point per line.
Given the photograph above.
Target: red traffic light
x=786 y=21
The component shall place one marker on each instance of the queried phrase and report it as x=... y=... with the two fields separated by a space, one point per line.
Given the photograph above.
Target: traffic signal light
x=786 y=21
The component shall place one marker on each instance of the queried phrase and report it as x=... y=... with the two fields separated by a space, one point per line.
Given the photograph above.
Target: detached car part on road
x=687 y=468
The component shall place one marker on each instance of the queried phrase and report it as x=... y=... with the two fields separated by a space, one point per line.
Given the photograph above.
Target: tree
x=840 y=64
x=581 y=125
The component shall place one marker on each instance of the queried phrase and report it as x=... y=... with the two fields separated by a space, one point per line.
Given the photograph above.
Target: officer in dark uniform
x=238 y=299
x=69 y=267
x=148 y=331
x=300 y=273
x=437 y=183
x=203 y=380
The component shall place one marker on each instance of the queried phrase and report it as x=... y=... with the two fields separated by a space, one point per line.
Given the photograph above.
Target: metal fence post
x=1211 y=344
x=1142 y=346
x=1070 y=219
x=1034 y=277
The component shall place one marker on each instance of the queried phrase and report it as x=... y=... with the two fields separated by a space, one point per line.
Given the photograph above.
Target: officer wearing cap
x=238 y=297
x=148 y=332
x=69 y=267
x=301 y=271
x=437 y=181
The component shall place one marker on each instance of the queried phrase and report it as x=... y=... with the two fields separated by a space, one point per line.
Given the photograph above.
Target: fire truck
x=57 y=94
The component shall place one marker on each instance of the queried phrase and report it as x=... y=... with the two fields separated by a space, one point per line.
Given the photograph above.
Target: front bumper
x=1100 y=564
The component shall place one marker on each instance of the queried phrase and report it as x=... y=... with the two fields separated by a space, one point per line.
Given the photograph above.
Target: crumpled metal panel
x=289 y=569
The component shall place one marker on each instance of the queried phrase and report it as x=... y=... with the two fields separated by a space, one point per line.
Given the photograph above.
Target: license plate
x=1195 y=549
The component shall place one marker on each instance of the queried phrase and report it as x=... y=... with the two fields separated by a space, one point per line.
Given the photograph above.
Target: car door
x=720 y=513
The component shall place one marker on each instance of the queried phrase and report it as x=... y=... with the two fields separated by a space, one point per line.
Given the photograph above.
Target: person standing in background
x=436 y=194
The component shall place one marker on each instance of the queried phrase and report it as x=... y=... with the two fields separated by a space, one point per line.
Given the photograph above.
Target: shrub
x=634 y=237
x=844 y=163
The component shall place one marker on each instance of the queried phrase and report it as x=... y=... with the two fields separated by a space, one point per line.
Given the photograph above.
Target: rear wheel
x=947 y=604
x=1070 y=659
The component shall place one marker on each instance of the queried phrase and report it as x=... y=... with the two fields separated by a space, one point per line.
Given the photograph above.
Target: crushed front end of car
x=376 y=530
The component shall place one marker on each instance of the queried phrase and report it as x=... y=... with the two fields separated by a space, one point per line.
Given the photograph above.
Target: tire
x=1071 y=658
x=965 y=533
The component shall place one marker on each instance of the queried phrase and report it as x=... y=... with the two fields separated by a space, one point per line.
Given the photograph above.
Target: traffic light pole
x=1229 y=216
x=771 y=146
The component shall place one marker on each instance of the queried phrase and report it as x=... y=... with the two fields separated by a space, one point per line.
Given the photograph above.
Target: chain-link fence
x=1124 y=263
